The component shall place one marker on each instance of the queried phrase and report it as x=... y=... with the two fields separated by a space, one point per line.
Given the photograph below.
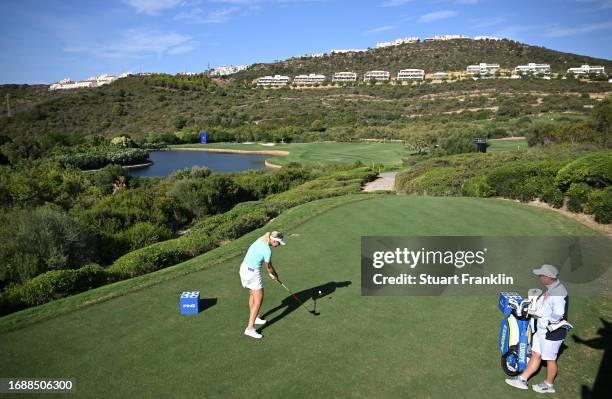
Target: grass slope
x=137 y=345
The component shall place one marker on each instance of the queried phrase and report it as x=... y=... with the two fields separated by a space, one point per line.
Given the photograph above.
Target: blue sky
x=46 y=40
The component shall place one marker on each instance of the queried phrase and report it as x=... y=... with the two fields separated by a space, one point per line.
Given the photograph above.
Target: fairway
x=137 y=345
x=389 y=154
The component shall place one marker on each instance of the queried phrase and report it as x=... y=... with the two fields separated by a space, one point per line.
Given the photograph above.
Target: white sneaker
x=517 y=383
x=260 y=321
x=543 y=387
x=251 y=332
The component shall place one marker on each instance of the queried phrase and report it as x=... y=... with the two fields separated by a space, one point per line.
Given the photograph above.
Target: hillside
x=146 y=108
x=453 y=55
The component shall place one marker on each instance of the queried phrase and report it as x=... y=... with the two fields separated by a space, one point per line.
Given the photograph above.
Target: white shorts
x=546 y=348
x=250 y=277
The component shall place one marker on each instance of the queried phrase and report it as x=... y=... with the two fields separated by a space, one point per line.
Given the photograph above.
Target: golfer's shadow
x=289 y=303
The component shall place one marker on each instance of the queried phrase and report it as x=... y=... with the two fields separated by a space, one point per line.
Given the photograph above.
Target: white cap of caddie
x=547 y=270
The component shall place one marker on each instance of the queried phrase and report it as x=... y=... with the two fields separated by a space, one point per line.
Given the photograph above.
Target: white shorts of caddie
x=250 y=277
x=546 y=348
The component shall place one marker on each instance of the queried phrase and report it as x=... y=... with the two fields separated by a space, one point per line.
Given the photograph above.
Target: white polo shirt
x=553 y=306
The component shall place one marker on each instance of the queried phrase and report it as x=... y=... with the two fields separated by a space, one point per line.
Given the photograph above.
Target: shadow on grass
x=289 y=303
x=602 y=386
x=206 y=303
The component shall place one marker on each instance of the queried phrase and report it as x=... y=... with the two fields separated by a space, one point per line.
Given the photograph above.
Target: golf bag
x=515 y=332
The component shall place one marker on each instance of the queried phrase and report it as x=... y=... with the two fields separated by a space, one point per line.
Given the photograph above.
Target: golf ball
x=319 y=292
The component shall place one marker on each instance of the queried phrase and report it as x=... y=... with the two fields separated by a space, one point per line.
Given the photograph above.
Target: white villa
x=376 y=75
x=344 y=77
x=226 y=70
x=482 y=69
x=397 y=42
x=532 y=67
x=585 y=69
x=310 y=79
x=94 y=81
x=411 y=74
x=445 y=37
x=273 y=81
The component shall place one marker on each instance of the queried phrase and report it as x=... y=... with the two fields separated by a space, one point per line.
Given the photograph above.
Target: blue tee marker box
x=189 y=302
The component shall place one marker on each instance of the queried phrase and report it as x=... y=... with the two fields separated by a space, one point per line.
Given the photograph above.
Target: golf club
x=314 y=312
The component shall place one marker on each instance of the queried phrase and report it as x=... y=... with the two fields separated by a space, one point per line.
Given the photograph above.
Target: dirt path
x=384 y=182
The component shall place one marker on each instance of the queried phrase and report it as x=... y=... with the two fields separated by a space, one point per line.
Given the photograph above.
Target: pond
x=165 y=162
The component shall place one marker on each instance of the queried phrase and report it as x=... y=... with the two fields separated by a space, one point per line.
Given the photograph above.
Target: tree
x=602 y=120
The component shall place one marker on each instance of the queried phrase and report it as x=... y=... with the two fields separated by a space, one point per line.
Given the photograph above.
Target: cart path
x=384 y=182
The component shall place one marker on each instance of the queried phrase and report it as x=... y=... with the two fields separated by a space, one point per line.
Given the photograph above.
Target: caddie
x=551 y=329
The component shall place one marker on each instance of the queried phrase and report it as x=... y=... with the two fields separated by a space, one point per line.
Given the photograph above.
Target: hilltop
x=431 y=56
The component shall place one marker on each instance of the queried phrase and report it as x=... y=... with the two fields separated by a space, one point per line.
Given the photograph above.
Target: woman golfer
x=258 y=255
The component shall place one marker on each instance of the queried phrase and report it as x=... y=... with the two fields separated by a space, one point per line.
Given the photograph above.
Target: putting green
x=137 y=345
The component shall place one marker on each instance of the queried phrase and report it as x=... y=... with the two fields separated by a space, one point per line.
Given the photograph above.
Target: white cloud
x=565 y=31
x=380 y=29
x=598 y=4
x=395 y=3
x=486 y=22
x=153 y=7
x=182 y=49
x=436 y=16
x=137 y=43
x=214 y=17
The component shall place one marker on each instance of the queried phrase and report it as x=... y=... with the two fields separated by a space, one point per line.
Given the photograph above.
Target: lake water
x=165 y=162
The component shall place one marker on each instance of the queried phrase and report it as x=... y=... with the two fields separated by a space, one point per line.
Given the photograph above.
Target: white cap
x=546 y=270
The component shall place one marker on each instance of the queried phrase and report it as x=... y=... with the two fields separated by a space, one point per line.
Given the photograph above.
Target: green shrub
x=437 y=181
x=149 y=259
x=577 y=196
x=11 y=300
x=98 y=157
x=59 y=283
x=477 y=186
x=526 y=181
x=593 y=169
x=599 y=203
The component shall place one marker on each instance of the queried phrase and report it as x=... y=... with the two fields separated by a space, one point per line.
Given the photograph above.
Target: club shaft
x=295 y=297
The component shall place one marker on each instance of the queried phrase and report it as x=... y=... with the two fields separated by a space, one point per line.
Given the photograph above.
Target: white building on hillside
x=226 y=70
x=532 y=67
x=310 y=79
x=494 y=38
x=482 y=69
x=411 y=74
x=585 y=69
x=376 y=75
x=445 y=37
x=93 y=81
x=397 y=42
x=344 y=77
x=273 y=81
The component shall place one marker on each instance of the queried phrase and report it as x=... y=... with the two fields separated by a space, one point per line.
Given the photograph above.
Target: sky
x=43 y=41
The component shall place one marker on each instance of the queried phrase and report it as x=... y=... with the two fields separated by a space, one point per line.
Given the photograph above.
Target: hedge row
x=99 y=158
x=202 y=237
x=550 y=177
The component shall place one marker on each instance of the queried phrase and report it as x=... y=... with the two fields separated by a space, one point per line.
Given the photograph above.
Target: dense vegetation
x=52 y=253
x=578 y=174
